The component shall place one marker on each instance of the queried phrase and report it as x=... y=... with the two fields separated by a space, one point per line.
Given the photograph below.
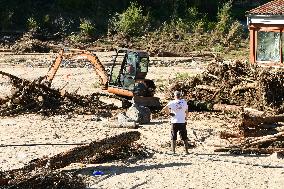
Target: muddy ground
x=202 y=168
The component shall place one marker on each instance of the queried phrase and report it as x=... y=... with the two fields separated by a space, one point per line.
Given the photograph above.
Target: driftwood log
x=253 y=144
x=207 y=88
x=77 y=154
x=243 y=87
x=227 y=108
x=249 y=120
x=249 y=150
x=261 y=140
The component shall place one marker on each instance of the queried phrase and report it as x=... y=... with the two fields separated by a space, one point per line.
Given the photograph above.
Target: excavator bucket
x=151 y=102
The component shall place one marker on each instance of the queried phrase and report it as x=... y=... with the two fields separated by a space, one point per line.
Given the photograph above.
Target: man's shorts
x=181 y=128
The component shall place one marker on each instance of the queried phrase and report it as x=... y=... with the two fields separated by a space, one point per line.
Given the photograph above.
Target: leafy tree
x=227 y=30
x=131 y=22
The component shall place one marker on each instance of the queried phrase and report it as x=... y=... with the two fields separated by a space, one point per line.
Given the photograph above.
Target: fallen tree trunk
x=244 y=87
x=71 y=156
x=249 y=120
x=262 y=140
x=227 y=108
x=207 y=88
x=229 y=134
x=249 y=150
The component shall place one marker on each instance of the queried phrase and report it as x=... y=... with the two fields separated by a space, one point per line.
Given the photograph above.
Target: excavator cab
x=128 y=77
x=129 y=73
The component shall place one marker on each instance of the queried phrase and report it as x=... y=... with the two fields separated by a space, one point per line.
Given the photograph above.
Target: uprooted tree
x=236 y=83
x=33 y=97
x=39 y=170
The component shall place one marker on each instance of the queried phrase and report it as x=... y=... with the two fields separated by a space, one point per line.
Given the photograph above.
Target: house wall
x=264 y=23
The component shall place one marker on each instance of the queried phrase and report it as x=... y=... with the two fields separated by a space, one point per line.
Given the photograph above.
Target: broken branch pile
x=28 y=44
x=236 y=83
x=255 y=133
x=34 y=97
x=239 y=86
x=38 y=169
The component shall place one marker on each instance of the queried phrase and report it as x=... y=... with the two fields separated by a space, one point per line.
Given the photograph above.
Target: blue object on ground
x=97 y=173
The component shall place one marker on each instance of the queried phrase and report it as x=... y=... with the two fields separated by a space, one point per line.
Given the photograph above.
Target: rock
x=96 y=118
x=121 y=118
x=123 y=121
x=277 y=155
x=139 y=114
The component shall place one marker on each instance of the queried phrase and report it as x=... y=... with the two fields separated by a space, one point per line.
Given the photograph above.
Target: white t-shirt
x=178 y=108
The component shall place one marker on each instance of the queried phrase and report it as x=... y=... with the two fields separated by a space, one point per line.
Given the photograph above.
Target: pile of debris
x=236 y=83
x=43 y=172
x=253 y=92
x=34 y=97
x=255 y=132
x=29 y=44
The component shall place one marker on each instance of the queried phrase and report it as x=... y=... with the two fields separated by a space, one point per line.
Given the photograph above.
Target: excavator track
x=125 y=102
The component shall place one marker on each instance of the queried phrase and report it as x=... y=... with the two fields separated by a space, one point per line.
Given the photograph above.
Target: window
x=268 y=46
x=144 y=64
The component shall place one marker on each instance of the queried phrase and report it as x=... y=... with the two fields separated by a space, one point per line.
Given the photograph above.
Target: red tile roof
x=275 y=7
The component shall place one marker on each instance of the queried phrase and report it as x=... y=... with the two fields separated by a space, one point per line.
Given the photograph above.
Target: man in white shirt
x=178 y=110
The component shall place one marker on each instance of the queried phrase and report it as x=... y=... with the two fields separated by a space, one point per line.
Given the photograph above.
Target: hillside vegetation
x=176 y=26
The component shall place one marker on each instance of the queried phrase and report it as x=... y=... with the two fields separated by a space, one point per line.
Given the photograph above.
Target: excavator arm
x=146 y=99
x=79 y=54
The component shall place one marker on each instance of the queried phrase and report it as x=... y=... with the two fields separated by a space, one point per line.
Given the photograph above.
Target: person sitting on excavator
x=130 y=69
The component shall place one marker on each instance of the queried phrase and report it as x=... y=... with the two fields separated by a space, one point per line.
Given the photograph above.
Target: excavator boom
x=79 y=54
x=127 y=81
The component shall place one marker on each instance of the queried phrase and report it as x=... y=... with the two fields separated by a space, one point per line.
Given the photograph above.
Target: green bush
x=131 y=22
x=87 y=28
x=176 y=25
x=32 y=24
x=235 y=34
x=192 y=22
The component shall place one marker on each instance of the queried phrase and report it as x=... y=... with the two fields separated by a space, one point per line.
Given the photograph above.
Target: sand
x=202 y=168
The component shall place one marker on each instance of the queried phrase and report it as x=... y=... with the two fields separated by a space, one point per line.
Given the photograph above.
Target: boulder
x=139 y=114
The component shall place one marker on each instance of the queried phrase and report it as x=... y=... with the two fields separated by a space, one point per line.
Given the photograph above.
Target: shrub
x=87 y=28
x=32 y=24
x=192 y=22
x=176 y=25
x=62 y=25
x=131 y=22
x=235 y=34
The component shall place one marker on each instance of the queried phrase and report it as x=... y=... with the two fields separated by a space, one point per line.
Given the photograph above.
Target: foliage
x=131 y=22
x=183 y=76
x=224 y=19
x=169 y=25
x=87 y=28
x=227 y=30
x=192 y=22
x=32 y=24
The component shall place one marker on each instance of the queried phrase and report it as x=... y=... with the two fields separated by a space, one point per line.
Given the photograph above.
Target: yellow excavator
x=126 y=77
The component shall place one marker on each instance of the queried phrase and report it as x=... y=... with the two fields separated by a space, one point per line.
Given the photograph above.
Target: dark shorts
x=181 y=128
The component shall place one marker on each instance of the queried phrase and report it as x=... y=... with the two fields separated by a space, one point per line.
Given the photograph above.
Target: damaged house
x=266 y=27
